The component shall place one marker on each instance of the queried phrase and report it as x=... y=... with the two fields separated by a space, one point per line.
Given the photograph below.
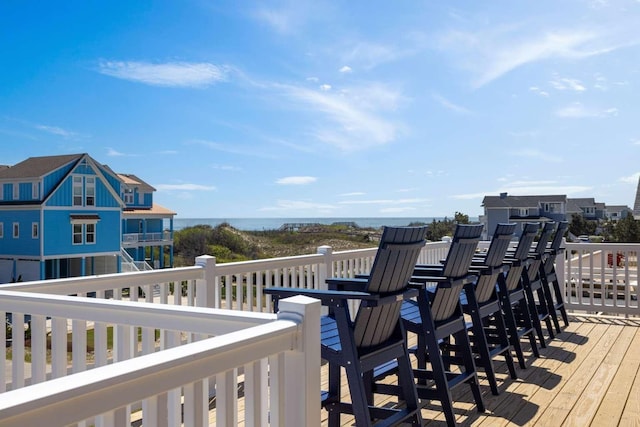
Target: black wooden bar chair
x=374 y=337
x=511 y=293
x=480 y=301
x=555 y=299
x=437 y=320
x=537 y=297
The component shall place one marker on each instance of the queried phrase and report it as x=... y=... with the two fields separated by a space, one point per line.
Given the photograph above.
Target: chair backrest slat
x=456 y=265
x=486 y=283
x=513 y=275
x=390 y=273
x=541 y=247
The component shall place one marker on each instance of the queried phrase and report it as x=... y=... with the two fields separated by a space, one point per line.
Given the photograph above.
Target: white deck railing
x=601 y=277
x=185 y=324
x=160 y=363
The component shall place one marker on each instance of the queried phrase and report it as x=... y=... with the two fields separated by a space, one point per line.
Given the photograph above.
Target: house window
x=1 y=230
x=16 y=230
x=90 y=191
x=35 y=191
x=90 y=233
x=128 y=196
x=77 y=191
x=590 y=210
x=77 y=234
x=523 y=211
x=16 y=191
x=1 y=192
x=34 y=230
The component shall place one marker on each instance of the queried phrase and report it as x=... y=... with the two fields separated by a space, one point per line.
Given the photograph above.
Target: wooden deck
x=587 y=376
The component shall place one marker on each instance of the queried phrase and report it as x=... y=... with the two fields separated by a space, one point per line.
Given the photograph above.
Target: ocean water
x=259 y=224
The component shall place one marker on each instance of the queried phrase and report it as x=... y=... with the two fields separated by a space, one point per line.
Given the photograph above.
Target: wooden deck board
x=587 y=376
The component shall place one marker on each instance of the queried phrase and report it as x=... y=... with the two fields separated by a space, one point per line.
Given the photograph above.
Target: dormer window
x=523 y=211
x=90 y=191
x=128 y=196
x=77 y=191
x=35 y=191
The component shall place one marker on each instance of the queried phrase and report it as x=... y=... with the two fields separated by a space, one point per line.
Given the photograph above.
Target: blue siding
x=25 y=191
x=83 y=169
x=25 y=244
x=103 y=197
x=112 y=180
x=63 y=196
x=154 y=225
x=52 y=180
x=59 y=233
x=7 y=192
x=148 y=200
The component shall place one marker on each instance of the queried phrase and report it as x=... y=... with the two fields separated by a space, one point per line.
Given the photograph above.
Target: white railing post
x=302 y=365
x=326 y=268
x=205 y=288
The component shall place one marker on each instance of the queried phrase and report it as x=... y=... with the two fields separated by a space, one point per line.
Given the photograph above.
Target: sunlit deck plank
x=618 y=394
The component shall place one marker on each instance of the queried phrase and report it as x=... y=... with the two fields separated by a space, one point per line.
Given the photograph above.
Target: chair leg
x=408 y=389
x=512 y=329
x=358 y=394
x=482 y=347
x=334 y=395
x=528 y=322
x=501 y=329
x=462 y=340
x=534 y=314
x=440 y=378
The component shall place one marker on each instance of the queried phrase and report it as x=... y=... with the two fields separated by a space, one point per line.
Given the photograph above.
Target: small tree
x=627 y=230
x=579 y=225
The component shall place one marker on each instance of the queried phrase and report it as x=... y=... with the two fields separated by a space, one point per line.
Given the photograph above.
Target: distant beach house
x=69 y=215
x=521 y=209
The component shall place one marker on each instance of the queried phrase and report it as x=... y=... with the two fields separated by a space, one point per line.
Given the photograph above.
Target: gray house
x=522 y=209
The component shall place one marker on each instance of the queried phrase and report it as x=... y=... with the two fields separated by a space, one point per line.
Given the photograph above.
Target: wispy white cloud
x=296 y=180
x=350 y=119
x=490 y=54
x=184 y=187
x=568 y=84
x=450 y=105
x=170 y=74
x=55 y=130
x=539 y=91
x=325 y=87
x=635 y=141
x=398 y=210
x=226 y=167
x=114 y=153
x=577 y=110
x=345 y=69
x=537 y=154
x=355 y=193
x=631 y=179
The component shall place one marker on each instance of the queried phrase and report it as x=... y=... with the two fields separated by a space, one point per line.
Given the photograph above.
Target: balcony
x=145 y=239
x=199 y=346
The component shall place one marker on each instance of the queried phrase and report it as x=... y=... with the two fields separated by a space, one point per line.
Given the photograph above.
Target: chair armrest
x=329 y=298
x=346 y=283
x=444 y=282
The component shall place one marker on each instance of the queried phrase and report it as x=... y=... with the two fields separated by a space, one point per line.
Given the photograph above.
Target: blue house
x=69 y=215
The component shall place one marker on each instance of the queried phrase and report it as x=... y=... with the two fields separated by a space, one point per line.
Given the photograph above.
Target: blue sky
x=330 y=109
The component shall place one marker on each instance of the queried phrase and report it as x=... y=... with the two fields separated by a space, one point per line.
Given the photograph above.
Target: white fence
x=122 y=341
x=160 y=363
x=600 y=277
